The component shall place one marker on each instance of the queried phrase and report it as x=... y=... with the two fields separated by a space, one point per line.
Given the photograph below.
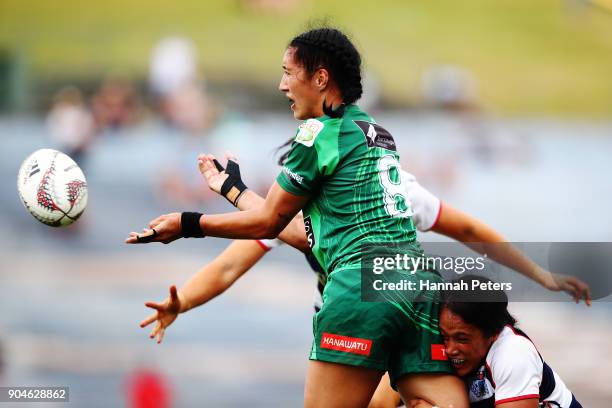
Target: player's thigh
x=385 y=396
x=331 y=385
x=442 y=390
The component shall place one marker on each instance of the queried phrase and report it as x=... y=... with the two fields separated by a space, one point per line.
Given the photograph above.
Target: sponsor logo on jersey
x=309 y=232
x=376 y=135
x=292 y=175
x=438 y=352
x=347 y=344
x=308 y=131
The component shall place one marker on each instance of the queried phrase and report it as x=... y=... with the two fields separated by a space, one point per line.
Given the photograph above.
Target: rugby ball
x=52 y=187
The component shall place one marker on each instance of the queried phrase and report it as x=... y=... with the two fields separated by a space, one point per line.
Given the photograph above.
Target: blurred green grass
x=529 y=57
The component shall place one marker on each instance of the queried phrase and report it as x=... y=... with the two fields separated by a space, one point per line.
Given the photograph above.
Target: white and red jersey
x=514 y=370
x=425 y=206
x=426 y=209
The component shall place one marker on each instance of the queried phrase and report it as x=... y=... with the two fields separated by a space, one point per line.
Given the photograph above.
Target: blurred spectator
x=449 y=87
x=147 y=388
x=174 y=63
x=492 y=145
x=188 y=108
x=71 y=124
x=180 y=182
x=115 y=105
x=453 y=88
x=180 y=97
x=175 y=84
x=184 y=103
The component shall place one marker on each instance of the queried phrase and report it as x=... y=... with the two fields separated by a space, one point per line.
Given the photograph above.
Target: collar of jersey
x=351 y=106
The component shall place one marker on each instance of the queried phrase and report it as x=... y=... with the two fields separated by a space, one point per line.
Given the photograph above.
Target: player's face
x=306 y=98
x=466 y=346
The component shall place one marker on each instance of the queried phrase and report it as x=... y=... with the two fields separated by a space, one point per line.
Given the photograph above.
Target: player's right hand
x=165 y=314
x=165 y=229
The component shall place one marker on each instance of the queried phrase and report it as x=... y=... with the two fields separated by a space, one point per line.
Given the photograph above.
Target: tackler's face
x=466 y=346
x=300 y=88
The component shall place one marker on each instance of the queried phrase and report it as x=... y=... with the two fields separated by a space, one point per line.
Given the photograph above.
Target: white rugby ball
x=52 y=187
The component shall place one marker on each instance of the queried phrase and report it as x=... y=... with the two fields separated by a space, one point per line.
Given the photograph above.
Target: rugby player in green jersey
x=343 y=172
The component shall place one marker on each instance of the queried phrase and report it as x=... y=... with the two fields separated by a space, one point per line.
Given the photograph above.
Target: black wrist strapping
x=233 y=186
x=190 y=225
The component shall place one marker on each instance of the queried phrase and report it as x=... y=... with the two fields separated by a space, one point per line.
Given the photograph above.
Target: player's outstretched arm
x=265 y=221
x=228 y=183
x=212 y=280
x=216 y=277
x=476 y=234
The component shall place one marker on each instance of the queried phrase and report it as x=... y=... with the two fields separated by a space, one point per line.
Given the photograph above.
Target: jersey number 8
x=396 y=200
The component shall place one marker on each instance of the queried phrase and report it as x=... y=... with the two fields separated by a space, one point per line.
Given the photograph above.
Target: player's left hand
x=227 y=180
x=165 y=229
x=213 y=173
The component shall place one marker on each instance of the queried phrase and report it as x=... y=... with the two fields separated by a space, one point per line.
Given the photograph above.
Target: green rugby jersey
x=349 y=168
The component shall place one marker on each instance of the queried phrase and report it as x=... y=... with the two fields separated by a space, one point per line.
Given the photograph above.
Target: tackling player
x=500 y=365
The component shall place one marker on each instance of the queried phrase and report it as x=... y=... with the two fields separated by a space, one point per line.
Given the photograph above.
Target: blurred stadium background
x=503 y=109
